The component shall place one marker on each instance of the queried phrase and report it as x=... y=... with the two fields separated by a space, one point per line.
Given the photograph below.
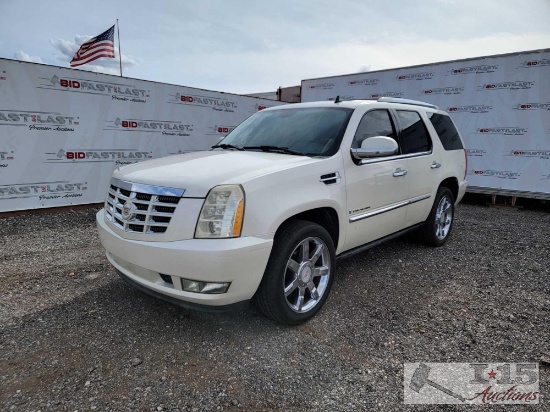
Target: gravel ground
x=75 y=337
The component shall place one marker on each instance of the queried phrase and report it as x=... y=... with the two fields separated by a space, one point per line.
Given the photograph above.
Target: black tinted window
x=446 y=130
x=312 y=131
x=414 y=137
x=373 y=123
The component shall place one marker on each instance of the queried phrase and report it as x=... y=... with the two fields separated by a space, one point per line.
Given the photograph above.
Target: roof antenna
x=337 y=99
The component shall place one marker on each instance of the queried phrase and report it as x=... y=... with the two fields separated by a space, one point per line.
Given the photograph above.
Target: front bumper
x=241 y=261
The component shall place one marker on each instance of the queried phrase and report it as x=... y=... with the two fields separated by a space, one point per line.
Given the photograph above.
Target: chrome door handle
x=399 y=172
x=435 y=165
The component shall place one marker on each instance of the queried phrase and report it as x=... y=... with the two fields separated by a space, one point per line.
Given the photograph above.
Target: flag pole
x=119 y=51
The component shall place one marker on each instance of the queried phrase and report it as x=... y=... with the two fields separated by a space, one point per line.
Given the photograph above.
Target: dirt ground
x=73 y=336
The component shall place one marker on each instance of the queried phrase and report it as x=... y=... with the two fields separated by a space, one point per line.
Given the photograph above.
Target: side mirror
x=377 y=146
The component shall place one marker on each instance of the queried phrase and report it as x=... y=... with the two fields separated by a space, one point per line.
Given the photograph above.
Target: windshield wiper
x=226 y=146
x=274 y=149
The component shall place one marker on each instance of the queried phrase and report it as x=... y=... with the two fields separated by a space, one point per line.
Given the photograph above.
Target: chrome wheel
x=443 y=218
x=307 y=275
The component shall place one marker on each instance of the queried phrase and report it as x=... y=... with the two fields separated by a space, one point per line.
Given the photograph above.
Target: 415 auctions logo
x=117 y=91
x=39 y=120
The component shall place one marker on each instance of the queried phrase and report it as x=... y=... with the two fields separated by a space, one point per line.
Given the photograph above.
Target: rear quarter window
x=446 y=131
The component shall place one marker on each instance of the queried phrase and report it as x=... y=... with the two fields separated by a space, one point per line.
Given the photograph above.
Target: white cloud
x=67 y=50
x=260 y=71
x=21 y=55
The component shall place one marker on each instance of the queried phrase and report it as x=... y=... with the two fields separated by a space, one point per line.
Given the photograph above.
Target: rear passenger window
x=373 y=123
x=414 y=137
x=446 y=131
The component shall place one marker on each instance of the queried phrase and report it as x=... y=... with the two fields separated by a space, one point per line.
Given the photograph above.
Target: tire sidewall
x=431 y=227
x=284 y=244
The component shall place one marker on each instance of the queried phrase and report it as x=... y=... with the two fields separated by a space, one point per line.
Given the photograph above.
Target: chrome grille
x=149 y=209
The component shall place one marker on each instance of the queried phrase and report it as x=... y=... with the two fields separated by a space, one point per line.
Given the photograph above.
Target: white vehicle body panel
x=370 y=199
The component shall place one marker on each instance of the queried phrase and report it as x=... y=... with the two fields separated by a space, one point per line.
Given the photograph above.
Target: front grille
x=150 y=212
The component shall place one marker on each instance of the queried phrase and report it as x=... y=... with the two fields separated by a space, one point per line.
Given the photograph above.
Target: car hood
x=199 y=172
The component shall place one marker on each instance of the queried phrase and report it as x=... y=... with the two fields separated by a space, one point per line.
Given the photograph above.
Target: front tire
x=437 y=227
x=299 y=273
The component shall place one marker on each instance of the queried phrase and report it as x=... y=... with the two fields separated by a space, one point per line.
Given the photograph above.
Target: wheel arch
x=451 y=183
x=326 y=217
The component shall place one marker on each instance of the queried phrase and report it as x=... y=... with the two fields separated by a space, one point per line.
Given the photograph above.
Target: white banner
x=64 y=131
x=500 y=104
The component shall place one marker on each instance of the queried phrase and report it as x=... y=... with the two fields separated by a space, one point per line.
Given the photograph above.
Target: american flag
x=99 y=46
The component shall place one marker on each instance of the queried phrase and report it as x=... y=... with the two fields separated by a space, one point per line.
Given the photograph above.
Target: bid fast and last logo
x=528 y=64
x=443 y=90
x=541 y=154
x=473 y=108
x=479 y=69
x=510 y=85
x=502 y=130
x=363 y=82
x=167 y=128
x=533 y=106
x=499 y=174
x=6 y=158
x=117 y=91
x=39 y=121
x=321 y=86
x=386 y=94
x=44 y=191
x=119 y=157
x=415 y=76
x=215 y=103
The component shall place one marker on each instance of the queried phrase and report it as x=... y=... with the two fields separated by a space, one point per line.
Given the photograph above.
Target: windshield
x=309 y=131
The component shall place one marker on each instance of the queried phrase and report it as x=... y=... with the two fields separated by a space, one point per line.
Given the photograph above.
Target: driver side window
x=373 y=123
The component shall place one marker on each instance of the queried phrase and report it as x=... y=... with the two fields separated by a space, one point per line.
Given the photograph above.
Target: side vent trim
x=330 y=178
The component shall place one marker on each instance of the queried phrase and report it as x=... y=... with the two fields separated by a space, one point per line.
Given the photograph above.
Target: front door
x=377 y=189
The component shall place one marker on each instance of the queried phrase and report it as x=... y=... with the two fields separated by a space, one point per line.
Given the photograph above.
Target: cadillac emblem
x=128 y=210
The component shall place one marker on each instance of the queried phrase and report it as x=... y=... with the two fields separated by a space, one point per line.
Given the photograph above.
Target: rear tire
x=299 y=273
x=437 y=228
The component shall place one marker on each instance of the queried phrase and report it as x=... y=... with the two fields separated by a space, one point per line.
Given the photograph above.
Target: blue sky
x=245 y=46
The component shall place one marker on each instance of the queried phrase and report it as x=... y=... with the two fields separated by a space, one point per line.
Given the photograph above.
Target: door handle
x=399 y=172
x=435 y=165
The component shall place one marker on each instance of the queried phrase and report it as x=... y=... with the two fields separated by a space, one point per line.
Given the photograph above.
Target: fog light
x=204 y=287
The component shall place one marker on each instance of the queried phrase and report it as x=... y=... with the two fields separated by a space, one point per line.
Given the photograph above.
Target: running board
x=367 y=246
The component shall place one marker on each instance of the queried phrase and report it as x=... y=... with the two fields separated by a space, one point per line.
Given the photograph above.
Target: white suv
x=266 y=213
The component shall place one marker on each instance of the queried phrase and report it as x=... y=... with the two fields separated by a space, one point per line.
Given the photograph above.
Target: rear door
x=424 y=165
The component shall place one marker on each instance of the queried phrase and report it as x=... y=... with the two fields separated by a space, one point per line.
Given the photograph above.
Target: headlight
x=222 y=213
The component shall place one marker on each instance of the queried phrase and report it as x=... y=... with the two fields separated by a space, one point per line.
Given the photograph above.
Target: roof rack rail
x=406 y=101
